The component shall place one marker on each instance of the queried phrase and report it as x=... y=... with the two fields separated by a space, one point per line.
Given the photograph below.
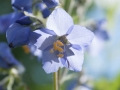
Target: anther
x=59 y=49
x=55 y=46
x=59 y=43
x=60 y=55
x=26 y=49
x=51 y=50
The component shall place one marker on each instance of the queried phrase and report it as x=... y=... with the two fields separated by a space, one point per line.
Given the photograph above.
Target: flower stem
x=56 y=81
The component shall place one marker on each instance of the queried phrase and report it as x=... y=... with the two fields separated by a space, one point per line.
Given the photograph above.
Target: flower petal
x=45 y=30
x=75 y=46
x=36 y=52
x=17 y=35
x=44 y=10
x=59 y=21
x=24 y=21
x=24 y=5
x=6 y=58
x=81 y=36
x=45 y=40
x=33 y=38
x=51 y=3
x=102 y=34
x=7 y=19
x=75 y=61
x=50 y=61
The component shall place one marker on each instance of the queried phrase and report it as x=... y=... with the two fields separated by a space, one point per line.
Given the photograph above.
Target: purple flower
x=64 y=42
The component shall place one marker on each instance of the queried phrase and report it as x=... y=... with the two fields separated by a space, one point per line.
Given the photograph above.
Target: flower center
x=63 y=39
x=59 y=45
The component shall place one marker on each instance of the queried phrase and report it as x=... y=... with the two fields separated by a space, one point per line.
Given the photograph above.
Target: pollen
x=59 y=43
x=60 y=55
x=51 y=50
x=55 y=46
x=26 y=49
x=59 y=49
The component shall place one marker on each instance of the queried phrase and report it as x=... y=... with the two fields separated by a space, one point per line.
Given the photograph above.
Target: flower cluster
x=62 y=43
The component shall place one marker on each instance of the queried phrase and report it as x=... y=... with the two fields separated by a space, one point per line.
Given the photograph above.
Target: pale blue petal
x=59 y=21
x=69 y=30
x=33 y=38
x=67 y=53
x=50 y=61
x=45 y=30
x=17 y=35
x=49 y=57
x=47 y=42
x=101 y=22
x=44 y=40
x=81 y=36
x=75 y=46
x=76 y=60
x=36 y=52
x=101 y=34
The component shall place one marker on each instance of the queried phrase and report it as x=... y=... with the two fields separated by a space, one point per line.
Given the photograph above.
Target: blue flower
x=101 y=35
x=6 y=58
x=64 y=42
x=100 y=32
x=18 y=35
x=43 y=8
x=51 y=3
x=24 y=5
x=7 y=19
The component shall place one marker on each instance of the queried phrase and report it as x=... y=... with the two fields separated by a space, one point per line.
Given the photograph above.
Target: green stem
x=56 y=81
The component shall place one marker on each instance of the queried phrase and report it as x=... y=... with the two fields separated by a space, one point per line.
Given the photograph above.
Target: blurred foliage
x=5 y=6
x=104 y=84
